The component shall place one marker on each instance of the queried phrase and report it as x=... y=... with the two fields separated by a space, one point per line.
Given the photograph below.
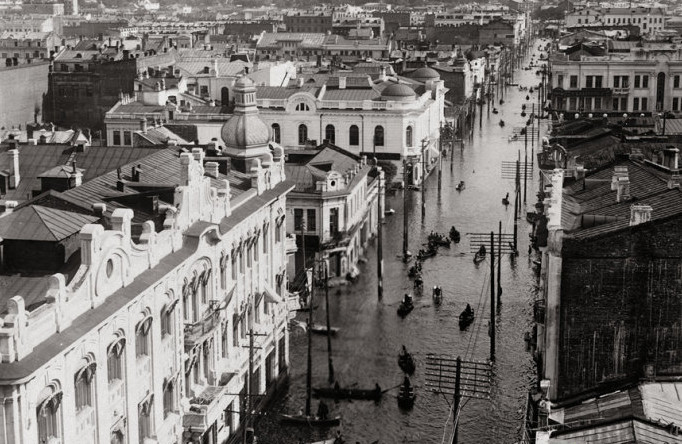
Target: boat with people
x=425 y=254
x=389 y=212
x=502 y=123
x=437 y=295
x=337 y=392
x=318 y=328
x=480 y=254
x=406 y=361
x=454 y=235
x=406 y=395
x=311 y=420
x=495 y=111
x=415 y=270
x=406 y=306
x=418 y=285
x=460 y=186
x=466 y=317
x=513 y=138
x=505 y=200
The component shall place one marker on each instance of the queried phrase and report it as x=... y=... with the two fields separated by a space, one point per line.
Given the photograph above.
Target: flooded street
x=365 y=350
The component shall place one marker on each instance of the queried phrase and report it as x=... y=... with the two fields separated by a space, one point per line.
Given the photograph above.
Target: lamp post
x=663 y=116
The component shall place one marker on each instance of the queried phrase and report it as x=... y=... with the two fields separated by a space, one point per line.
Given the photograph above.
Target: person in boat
x=322 y=410
x=403 y=352
x=377 y=389
x=481 y=251
x=406 y=384
x=468 y=311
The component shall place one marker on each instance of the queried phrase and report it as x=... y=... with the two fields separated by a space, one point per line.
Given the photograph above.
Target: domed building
x=399 y=92
x=424 y=74
x=245 y=135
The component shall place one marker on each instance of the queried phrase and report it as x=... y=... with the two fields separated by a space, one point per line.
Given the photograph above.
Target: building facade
x=148 y=341
x=650 y=20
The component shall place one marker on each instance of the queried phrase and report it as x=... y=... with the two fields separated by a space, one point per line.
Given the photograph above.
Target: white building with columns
x=142 y=334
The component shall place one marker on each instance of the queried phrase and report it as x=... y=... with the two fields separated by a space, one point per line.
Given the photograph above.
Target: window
x=266 y=238
x=127 y=138
x=560 y=81
x=302 y=107
x=114 y=361
x=83 y=387
x=379 y=135
x=312 y=222
x=645 y=81
x=48 y=416
x=587 y=104
x=598 y=80
x=597 y=103
x=354 y=135
x=645 y=103
x=302 y=134
x=573 y=82
x=589 y=81
x=616 y=81
x=224 y=340
x=144 y=410
x=573 y=104
x=615 y=103
x=142 y=337
x=166 y=319
x=203 y=90
x=168 y=397
x=235 y=330
x=333 y=221
x=408 y=136
x=676 y=81
x=234 y=265
x=635 y=104
x=330 y=134
x=298 y=219
x=276 y=133
x=117 y=137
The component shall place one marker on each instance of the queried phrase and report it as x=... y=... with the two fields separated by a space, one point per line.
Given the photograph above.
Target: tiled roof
x=195 y=67
x=160 y=135
x=137 y=108
x=307 y=172
x=280 y=93
x=351 y=94
x=308 y=40
x=38 y=223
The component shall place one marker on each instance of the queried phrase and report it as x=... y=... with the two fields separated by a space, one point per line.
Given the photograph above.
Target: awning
x=271 y=295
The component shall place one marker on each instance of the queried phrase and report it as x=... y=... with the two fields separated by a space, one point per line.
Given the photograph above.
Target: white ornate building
x=399 y=119
x=141 y=336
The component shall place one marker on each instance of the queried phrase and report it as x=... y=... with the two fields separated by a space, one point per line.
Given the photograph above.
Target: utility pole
x=380 y=246
x=405 y=239
x=516 y=205
x=424 y=156
x=492 y=296
x=440 y=156
x=458 y=398
x=308 y=377
x=329 y=330
x=499 y=265
x=249 y=402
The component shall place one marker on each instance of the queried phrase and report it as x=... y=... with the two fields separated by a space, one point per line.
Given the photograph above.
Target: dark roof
x=327 y=157
x=39 y=223
x=278 y=92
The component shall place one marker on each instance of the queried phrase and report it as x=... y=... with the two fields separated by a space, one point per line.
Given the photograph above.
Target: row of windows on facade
x=641 y=81
x=330 y=134
x=630 y=20
x=617 y=104
x=26 y=43
x=27 y=55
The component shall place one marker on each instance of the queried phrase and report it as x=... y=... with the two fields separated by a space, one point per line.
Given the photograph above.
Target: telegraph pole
x=516 y=204
x=405 y=239
x=329 y=330
x=492 y=296
x=458 y=398
x=380 y=247
x=499 y=265
x=424 y=145
x=308 y=376
x=440 y=156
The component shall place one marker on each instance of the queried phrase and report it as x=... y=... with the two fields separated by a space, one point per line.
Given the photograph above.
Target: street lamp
x=663 y=116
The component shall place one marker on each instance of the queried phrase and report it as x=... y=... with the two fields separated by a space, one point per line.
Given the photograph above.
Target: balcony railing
x=621 y=91
x=195 y=332
x=205 y=409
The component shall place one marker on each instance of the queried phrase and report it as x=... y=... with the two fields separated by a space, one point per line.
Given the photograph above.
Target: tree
x=390 y=170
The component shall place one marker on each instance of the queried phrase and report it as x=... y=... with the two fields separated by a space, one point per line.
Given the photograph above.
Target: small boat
x=419 y=285
x=527 y=96
x=389 y=212
x=406 y=362
x=454 y=234
x=437 y=295
x=425 y=254
x=513 y=138
x=321 y=329
x=406 y=306
x=466 y=318
x=460 y=186
x=495 y=111
x=406 y=395
x=480 y=255
x=505 y=200
x=353 y=274
x=415 y=270
x=326 y=441
x=501 y=101
x=349 y=393
x=502 y=123
x=310 y=420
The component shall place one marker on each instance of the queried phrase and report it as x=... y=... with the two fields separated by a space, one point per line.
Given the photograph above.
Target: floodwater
x=365 y=350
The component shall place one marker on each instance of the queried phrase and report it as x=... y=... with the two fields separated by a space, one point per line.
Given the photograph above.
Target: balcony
x=290 y=244
x=198 y=331
x=621 y=91
x=206 y=408
x=338 y=240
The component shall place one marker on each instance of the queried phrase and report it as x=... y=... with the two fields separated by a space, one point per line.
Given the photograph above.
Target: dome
x=244 y=131
x=398 y=91
x=424 y=74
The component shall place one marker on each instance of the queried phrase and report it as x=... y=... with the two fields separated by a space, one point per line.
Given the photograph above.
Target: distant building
x=305 y=45
x=22 y=92
x=308 y=22
x=649 y=19
x=642 y=78
x=335 y=203
x=25 y=47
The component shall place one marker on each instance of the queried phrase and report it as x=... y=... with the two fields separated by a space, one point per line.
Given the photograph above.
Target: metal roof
x=38 y=223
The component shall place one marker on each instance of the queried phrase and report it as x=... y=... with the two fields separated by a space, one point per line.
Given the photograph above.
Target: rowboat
x=406 y=362
x=310 y=420
x=466 y=318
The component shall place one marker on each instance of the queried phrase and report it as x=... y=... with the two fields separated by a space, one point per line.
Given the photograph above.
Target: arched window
x=302 y=134
x=224 y=96
x=408 y=136
x=379 y=135
x=48 y=414
x=330 y=134
x=115 y=360
x=276 y=133
x=302 y=107
x=354 y=135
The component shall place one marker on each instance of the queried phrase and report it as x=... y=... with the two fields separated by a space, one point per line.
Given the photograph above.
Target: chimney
x=342 y=82
x=211 y=169
x=14 y=174
x=143 y=125
x=671 y=157
x=299 y=82
x=623 y=189
x=99 y=209
x=73 y=166
x=137 y=173
x=618 y=172
x=640 y=214
x=674 y=181
x=81 y=147
x=10 y=205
